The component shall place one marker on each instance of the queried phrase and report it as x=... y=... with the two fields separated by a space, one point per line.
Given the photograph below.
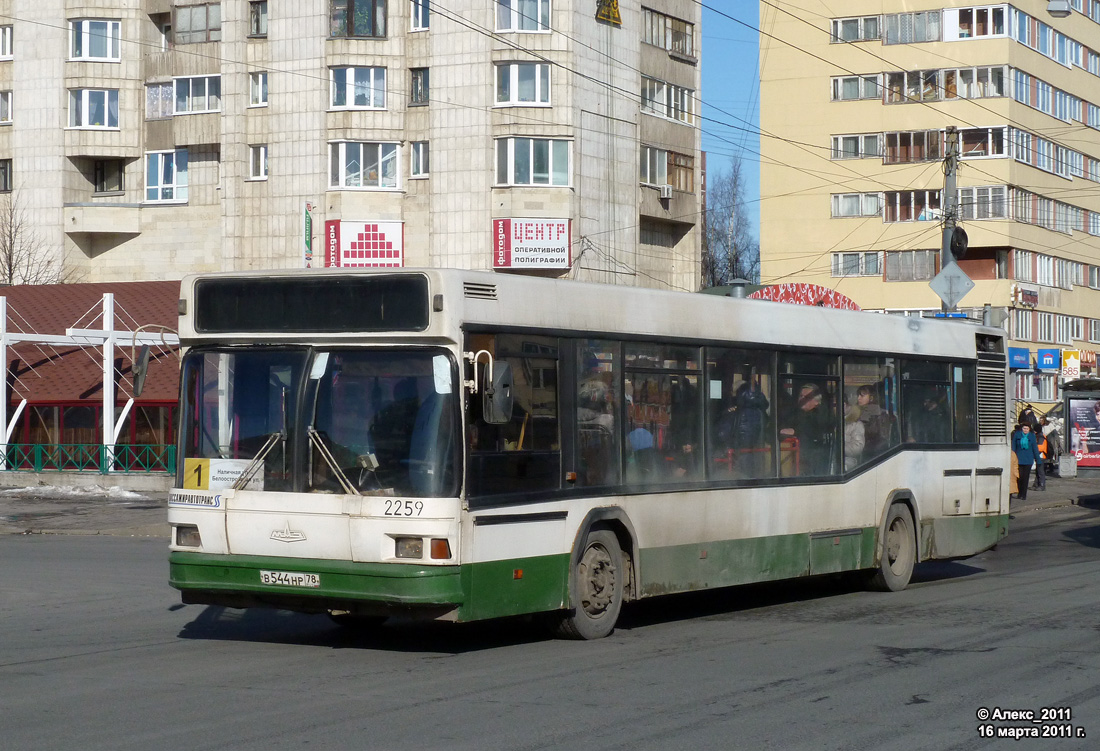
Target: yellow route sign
x=608 y=10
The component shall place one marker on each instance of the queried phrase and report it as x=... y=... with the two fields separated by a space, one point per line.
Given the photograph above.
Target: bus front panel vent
x=479 y=291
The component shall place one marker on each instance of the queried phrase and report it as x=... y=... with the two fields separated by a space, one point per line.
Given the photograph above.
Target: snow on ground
x=57 y=491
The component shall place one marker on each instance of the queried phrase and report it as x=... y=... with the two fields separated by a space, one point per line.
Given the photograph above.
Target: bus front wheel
x=597 y=587
x=899 y=551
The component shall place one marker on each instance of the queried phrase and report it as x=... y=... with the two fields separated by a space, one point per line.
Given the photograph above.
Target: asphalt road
x=96 y=653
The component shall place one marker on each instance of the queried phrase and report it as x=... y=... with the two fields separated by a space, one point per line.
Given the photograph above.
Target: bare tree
x=24 y=258
x=729 y=249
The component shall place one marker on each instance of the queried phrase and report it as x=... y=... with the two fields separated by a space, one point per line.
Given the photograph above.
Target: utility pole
x=949 y=203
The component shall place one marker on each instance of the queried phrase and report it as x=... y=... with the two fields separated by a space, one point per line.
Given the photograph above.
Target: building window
x=1022 y=324
x=107 y=175
x=523 y=15
x=1094 y=327
x=863 y=146
x=93 y=108
x=913 y=86
x=907 y=28
x=910 y=265
x=166 y=176
x=661 y=167
x=257 y=162
x=857 y=264
x=914 y=146
x=1045 y=323
x=419 y=166
x=94 y=40
x=5 y=108
x=989 y=202
x=533 y=161
x=523 y=83
x=976 y=143
x=421 y=13
x=851 y=88
x=357 y=18
x=667 y=100
x=975 y=83
x=668 y=32
x=257 y=19
x=359 y=88
x=5 y=42
x=911 y=206
x=971 y=23
x=257 y=89
x=158 y=100
x=198 y=23
x=363 y=165
x=855 y=29
x=198 y=94
x=5 y=175
x=418 y=89
x=855 y=204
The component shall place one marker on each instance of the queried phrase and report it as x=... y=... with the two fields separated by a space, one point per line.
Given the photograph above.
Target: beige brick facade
x=214 y=214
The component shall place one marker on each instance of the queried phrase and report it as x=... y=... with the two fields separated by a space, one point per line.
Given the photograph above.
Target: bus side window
x=598 y=405
x=740 y=413
x=927 y=414
x=870 y=427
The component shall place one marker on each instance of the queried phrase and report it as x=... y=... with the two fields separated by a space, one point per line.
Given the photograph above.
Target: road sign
x=951 y=284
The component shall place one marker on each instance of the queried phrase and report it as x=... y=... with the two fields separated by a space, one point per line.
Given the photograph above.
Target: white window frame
x=257 y=161
x=81 y=34
x=507 y=84
x=419 y=90
x=511 y=18
x=167 y=100
x=1022 y=322
x=862 y=33
x=6 y=39
x=847 y=205
x=257 y=88
x=1094 y=330
x=653 y=166
x=80 y=101
x=6 y=110
x=176 y=187
x=952 y=26
x=894 y=26
x=905 y=265
x=672 y=102
x=1044 y=324
x=983 y=202
x=994 y=142
x=198 y=103
x=346 y=81
x=420 y=15
x=868 y=146
x=867 y=87
x=857 y=263
x=387 y=164
x=419 y=159
x=507 y=165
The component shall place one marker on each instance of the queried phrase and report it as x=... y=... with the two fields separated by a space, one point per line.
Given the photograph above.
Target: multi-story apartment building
x=145 y=139
x=854 y=110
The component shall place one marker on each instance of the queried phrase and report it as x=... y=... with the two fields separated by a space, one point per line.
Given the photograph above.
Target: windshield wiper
x=319 y=443
x=258 y=460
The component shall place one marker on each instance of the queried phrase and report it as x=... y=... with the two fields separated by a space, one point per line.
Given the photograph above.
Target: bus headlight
x=187 y=536
x=409 y=547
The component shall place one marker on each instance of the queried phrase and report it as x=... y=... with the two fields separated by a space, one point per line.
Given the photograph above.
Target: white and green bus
x=462 y=445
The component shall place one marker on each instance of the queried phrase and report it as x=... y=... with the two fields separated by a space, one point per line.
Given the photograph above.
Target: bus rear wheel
x=597 y=587
x=899 y=551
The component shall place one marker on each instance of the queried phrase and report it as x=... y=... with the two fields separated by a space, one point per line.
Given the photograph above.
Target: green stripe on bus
x=391 y=583
x=960 y=536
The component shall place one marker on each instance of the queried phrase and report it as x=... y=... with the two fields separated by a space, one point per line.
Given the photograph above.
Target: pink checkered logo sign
x=350 y=244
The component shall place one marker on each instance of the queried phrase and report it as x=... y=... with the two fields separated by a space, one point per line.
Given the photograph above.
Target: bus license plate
x=290 y=579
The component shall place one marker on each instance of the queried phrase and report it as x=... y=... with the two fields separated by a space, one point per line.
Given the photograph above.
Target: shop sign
x=307 y=234
x=1018 y=357
x=1027 y=298
x=1049 y=359
x=531 y=243
x=1071 y=364
x=359 y=244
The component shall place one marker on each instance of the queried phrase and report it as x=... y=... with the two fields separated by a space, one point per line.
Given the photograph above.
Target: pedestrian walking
x=1023 y=446
x=1042 y=445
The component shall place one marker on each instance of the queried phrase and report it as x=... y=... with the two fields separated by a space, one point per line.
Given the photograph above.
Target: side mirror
x=140 y=369
x=496 y=397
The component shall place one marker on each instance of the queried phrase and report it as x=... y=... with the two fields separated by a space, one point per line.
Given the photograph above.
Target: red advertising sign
x=804 y=293
x=364 y=243
x=532 y=243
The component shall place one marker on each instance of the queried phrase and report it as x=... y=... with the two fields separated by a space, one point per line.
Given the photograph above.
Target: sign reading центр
x=531 y=243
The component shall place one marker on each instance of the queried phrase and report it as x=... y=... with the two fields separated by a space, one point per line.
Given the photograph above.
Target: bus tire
x=597 y=585
x=899 y=551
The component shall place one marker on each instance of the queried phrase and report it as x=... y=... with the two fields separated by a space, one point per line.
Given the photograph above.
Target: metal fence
x=84 y=457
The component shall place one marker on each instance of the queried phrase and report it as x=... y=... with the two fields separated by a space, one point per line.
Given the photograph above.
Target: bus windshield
x=371 y=421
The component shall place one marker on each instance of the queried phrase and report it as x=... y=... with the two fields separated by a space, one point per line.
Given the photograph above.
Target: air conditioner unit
x=666 y=192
